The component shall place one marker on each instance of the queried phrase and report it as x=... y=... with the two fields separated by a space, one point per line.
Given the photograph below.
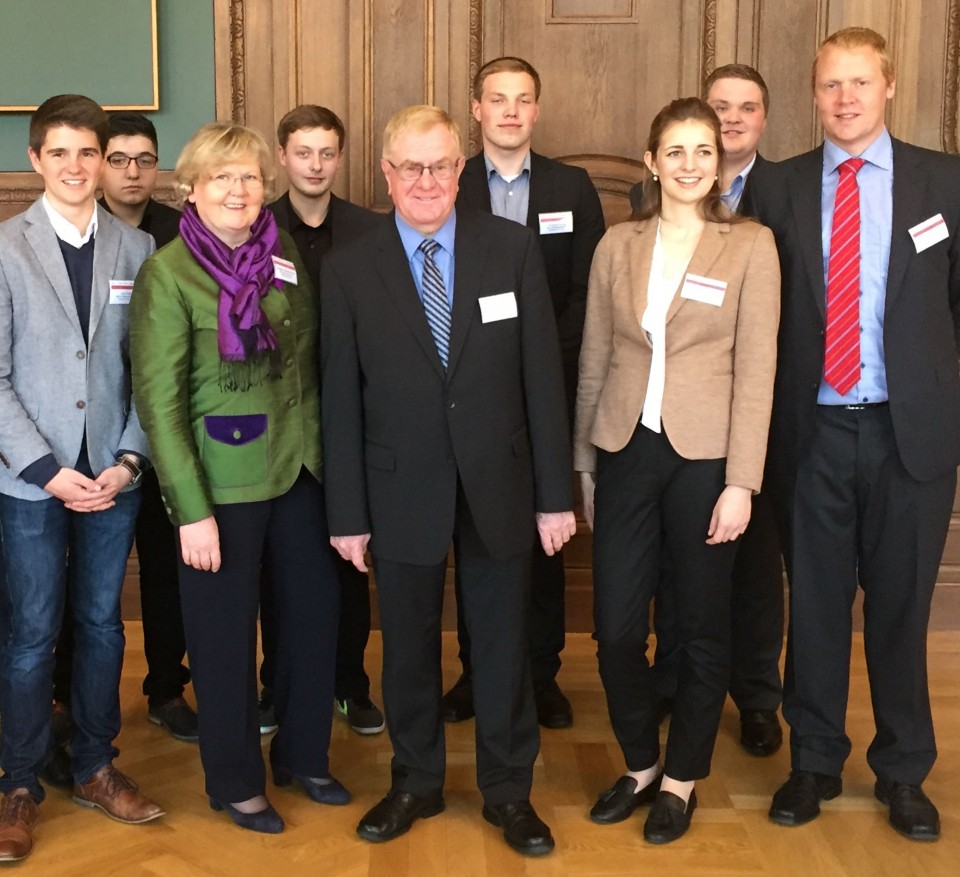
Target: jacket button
x=290 y=362
x=452 y=405
x=286 y=323
x=291 y=403
x=81 y=404
x=81 y=354
x=236 y=434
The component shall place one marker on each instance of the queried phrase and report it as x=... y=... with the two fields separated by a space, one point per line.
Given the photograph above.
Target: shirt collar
x=66 y=230
x=412 y=239
x=492 y=168
x=738 y=182
x=879 y=153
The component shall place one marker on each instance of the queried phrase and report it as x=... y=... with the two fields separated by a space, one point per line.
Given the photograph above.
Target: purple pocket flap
x=235 y=429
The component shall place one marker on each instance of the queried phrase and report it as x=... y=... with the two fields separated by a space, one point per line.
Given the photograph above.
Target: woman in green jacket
x=223 y=343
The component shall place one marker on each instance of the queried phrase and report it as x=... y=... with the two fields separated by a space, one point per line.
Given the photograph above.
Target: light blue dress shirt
x=733 y=195
x=876 y=223
x=411 y=240
x=509 y=199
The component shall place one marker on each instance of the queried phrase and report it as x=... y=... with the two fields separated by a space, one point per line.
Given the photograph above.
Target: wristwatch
x=132 y=464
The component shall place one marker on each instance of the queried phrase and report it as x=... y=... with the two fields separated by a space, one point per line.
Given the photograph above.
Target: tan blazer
x=720 y=360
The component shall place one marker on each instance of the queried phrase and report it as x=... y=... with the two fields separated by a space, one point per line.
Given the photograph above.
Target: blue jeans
x=36 y=536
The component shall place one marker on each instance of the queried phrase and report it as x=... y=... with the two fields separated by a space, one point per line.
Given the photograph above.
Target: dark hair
x=131 y=125
x=506 y=64
x=739 y=71
x=72 y=110
x=310 y=116
x=684 y=109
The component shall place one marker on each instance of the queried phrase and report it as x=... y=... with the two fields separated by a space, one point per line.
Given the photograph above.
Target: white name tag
x=498 y=307
x=556 y=223
x=120 y=292
x=283 y=269
x=703 y=289
x=929 y=232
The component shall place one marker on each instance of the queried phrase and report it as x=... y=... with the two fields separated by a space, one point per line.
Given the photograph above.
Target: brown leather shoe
x=18 y=815
x=116 y=795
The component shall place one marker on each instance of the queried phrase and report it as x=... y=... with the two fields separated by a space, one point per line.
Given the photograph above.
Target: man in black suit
x=559 y=203
x=310 y=148
x=444 y=419
x=865 y=437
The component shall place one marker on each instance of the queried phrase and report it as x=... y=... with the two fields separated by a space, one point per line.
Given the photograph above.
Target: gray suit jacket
x=52 y=385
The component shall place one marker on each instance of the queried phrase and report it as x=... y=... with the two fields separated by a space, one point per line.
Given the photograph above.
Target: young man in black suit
x=310 y=148
x=559 y=203
x=865 y=437
x=444 y=420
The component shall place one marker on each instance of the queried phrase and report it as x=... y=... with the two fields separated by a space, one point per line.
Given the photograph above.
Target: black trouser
x=495 y=596
x=650 y=500
x=158 y=550
x=756 y=618
x=854 y=514
x=288 y=534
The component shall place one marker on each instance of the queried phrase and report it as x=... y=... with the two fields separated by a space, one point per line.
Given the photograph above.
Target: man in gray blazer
x=71 y=449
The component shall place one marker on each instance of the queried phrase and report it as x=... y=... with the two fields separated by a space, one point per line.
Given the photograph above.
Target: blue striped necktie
x=435 y=300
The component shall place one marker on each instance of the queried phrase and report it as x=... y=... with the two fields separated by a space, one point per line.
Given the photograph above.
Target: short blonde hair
x=217 y=144
x=419 y=118
x=856 y=38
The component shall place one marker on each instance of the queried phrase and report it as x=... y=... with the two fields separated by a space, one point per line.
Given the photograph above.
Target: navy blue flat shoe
x=266 y=821
x=331 y=792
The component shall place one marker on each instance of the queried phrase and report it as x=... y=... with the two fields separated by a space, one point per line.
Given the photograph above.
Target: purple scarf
x=244 y=275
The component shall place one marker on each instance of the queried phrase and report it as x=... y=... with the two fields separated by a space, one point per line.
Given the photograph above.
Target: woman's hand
x=200 y=544
x=730 y=515
x=588 y=485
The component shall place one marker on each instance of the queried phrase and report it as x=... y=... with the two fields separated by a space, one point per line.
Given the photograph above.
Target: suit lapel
x=540 y=188
x=641 y=258
x=45 y=244
x=474 y=189
x=910 y=200
x=470 y=255
x=806 y=188
x=106 y=253
x=711 y=244
x=394 y=269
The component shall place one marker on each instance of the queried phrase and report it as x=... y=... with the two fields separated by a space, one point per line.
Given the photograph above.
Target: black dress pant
x=649 y=500
x=495 y=599
x=288 y=535
x=853 y=515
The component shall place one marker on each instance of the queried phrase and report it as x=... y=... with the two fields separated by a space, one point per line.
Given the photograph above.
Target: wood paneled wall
x=607 y=67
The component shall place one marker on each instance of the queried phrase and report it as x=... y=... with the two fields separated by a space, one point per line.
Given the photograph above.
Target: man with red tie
x=865 y=436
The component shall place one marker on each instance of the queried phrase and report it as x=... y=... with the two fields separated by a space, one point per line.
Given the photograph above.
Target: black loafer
x=395 y=814
x=797 y=801
x=553 y=708
x=619 y=802
x=330 y=792
x=523 y=830
x=760 y=732
x=912 y=813
x=669 y=817
x=457 y=704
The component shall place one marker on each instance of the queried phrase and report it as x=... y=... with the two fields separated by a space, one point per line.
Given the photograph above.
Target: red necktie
x=841 y=363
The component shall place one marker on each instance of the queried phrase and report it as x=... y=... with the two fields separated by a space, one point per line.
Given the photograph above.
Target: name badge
x=929 y=232
x=703 y=289
x=283 y=269
x=556 y=223
x=120 y=292
x=498 y=307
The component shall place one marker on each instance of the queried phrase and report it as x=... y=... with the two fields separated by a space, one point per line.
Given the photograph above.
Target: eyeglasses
x=440 y=170
x=226 y=181
x=120 y=160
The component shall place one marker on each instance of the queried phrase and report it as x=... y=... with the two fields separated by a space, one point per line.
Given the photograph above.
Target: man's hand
x=730 y=516
x=556 y=529
x=79 y=493
x=352 y=548
x=200 y=544
x=588 y=486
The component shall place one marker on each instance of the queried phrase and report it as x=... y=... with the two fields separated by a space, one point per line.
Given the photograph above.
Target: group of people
x=305 y=368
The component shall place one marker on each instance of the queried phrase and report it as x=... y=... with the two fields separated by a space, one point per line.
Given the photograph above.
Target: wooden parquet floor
x=731 y=834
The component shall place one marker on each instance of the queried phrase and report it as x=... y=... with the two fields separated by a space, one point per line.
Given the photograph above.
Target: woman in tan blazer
x=673 y=406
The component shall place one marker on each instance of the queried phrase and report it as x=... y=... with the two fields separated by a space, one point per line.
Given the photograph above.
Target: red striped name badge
x=929 y=232
x=703 y=289
x=120 y=292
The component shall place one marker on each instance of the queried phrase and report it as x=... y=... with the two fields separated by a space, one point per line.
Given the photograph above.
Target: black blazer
x=554 y=187
x=399 y=432
x=921 y=311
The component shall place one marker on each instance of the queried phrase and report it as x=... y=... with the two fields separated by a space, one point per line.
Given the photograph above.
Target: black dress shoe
x=395 y=814
x=330 y=792
x=911 y=812
x=57 y=771
x=266 y=821
x=523 y=830
x=669 y=817
x=760 y=732
x=619 y=802
x=553 y=708
x=457 y=704
x=797 y=801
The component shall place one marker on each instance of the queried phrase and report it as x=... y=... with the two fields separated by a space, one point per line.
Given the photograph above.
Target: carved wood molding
x=238 y=93
x=475 y=50
x=708 y=40
x=950 y=118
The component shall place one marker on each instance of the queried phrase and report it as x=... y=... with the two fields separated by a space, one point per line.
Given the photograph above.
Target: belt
x=860 y=406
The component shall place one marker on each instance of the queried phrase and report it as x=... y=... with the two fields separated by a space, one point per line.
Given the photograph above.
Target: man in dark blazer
x=310 y=147
x=444 y=420
x=559 y=203
x=865 y=437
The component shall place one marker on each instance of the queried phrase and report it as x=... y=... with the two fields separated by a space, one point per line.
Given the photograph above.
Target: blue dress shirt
x=733 y=195
x=509 y=199
x=411 y=240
